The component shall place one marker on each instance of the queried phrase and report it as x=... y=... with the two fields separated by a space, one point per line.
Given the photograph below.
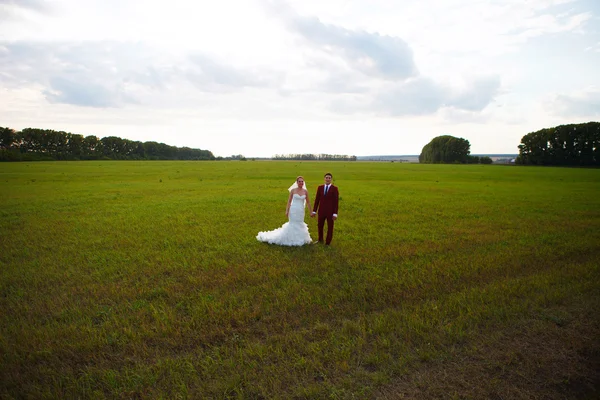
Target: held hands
x=313 y=214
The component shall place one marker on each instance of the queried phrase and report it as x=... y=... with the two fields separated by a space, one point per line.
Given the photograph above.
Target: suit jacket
x=327 y=204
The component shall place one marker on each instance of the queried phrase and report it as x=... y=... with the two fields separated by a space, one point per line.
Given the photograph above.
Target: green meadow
x=144 y=280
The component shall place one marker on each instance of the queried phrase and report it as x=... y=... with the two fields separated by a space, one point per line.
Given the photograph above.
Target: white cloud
x=112 y=74
x=421 y=96
x=208 y=74
x=584 y=103
x=476 y=97
x=10 y=9
x=370 y=53
x=594 y=48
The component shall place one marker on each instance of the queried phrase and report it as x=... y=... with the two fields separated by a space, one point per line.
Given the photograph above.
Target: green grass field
x=145 y=280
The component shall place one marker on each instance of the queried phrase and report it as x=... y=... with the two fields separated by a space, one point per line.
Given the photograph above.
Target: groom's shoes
x=317 y=242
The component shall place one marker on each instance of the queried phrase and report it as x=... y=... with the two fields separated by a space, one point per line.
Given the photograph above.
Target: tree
x=445 y=149
x=113 y=147
x=9 y=142
x=47 y=144
x=90 y=147
x=574 y=144
x=74 y=146
x=473 y=160
x=7 y=137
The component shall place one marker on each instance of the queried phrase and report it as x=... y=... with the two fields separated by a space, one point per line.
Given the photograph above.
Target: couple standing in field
x=295 y=231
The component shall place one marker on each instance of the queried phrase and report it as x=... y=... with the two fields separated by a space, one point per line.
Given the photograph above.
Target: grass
x=145 y=280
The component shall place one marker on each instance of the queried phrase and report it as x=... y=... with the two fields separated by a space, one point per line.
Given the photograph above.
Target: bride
x=295 y=231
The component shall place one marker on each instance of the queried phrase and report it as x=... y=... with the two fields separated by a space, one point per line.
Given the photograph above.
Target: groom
x=327 y=204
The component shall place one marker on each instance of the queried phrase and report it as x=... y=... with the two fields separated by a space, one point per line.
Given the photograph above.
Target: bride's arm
x=287 y=208
x=307 y=200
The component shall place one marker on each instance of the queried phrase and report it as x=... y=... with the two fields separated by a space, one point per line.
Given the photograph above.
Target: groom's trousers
x=320 y=225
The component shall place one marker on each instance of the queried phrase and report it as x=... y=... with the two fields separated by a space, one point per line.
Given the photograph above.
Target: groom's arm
x=335 y=202
x=317 y=200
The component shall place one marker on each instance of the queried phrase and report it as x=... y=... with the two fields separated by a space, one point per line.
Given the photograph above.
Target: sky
x=267 y=77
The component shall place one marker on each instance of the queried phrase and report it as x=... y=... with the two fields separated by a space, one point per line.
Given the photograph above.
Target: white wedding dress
x=292 y=233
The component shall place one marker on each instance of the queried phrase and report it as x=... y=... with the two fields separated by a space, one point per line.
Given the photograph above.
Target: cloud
x=423 y=96
x=419 y=96
x=38 y=5
x=86 y=94
x=594 y=48
x=477 y=95
x=324 y=75
x=342 y=83
x=85 y=74
x=210 y=75
x=113 y=74
x=375 y=55
x=14 y=9
x=456 y=116
x=376 y=74
x=585 y=103
x=549 y=24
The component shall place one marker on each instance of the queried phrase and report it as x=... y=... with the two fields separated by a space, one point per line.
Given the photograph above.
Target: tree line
x=314 y=157
x=574 y=144
x=45 y=144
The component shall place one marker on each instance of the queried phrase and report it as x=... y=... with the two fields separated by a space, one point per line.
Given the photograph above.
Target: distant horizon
x=417 y=155
x=400 y=155
x=263 y=157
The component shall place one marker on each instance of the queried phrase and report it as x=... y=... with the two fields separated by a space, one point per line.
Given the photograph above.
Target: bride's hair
x=295 y=184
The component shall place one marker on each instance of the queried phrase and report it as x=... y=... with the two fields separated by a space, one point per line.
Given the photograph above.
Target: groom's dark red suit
x=327 y=204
